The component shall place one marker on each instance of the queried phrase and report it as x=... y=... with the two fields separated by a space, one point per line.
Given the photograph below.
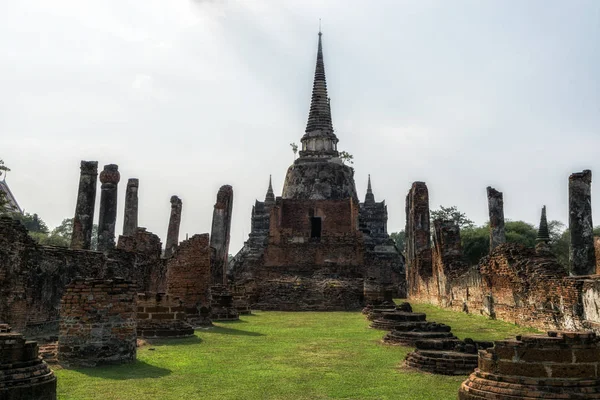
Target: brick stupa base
x=446 y=356
x=561 y=365
x=23 y=375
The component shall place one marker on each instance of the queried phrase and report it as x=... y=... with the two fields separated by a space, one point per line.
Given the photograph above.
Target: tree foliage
x=346 y=157
x=59 y=236
x=399 y=239
x=3 y=200
x=451 y=214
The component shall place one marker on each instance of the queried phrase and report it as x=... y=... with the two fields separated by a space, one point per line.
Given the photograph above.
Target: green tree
x=346 y=157
x=475 y=242
x=451 y=214
x=520 y=232
x=3 y=201
x=32 y=222
x=399 y=239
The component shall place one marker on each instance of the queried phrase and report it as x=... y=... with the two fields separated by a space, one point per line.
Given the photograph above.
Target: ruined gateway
x=316 y=247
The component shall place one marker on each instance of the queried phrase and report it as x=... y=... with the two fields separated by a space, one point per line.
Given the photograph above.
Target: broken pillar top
x=493 y=192
x=89 y=167
x=133 y=182
x=175 y=200
x=224 y=196
x=585 y=175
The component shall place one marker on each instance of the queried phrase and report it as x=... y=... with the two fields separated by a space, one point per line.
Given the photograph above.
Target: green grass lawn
x=279 y=355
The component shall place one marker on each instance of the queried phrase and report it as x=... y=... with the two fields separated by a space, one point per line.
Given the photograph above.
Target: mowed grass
x=279 y=355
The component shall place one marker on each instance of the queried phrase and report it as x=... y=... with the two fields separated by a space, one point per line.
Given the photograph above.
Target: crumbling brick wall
x=189 y=273
x=33 y=277
x=98 y=322
x=149 y=270
x=518 y=285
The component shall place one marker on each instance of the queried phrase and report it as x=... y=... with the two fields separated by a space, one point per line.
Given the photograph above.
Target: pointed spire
x=370 y=197
x=270 y=197
x=319 y=116
x=543 y=232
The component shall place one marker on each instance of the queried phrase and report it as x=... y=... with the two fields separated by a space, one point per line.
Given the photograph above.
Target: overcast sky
x=190 y=95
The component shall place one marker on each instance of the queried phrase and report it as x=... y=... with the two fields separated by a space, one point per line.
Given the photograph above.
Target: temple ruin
x=313 y=247
x=522 y=285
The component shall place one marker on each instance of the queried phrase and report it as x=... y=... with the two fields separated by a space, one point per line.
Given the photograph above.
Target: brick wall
x=97 y=322
x=33 y=278
x=188 y=273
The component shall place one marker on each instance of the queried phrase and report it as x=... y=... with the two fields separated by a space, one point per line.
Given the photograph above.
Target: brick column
x=173 y=230
x=110 y=178
x=581 y=251
x=496 y=210
x=83 y=221
x=130 y=219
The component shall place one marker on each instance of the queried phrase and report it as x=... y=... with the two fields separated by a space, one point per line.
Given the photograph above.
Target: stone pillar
x=83 y=221
x=581 y=251
x=496 y=209
x=110 y=178
x=173 y=230
x=418 y=240
x=220 y=232
x=130 y=219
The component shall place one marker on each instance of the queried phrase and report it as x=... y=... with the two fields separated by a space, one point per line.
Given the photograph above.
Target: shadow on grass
x=136 y=370
x=174 y=342
x=230 y=331
x=238 y=321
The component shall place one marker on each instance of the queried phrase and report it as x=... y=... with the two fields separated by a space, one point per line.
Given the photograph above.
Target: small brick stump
x=446 y=356
x=97 y=323
x=221 y=304
x=23 y=375
x=241 y=301
x=161 y=316
x=560 y=365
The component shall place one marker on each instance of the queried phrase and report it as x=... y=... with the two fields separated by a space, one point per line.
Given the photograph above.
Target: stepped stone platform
x=446 y=356
x=388 y=320
x=559 y=365
x=408 y=335
x=374 y=312
x=23 y=375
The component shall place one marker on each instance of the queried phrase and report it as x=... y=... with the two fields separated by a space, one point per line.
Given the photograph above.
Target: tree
x=294 y=149
x=451 y=214
x=476 y=240
x=399 y=239
x=3 y=202
x=32 y=222
x=346 y=157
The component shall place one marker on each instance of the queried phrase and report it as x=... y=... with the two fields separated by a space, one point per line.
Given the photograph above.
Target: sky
x=189 y=95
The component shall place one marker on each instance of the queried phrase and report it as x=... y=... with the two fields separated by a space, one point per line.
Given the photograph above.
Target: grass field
x=279 y=355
